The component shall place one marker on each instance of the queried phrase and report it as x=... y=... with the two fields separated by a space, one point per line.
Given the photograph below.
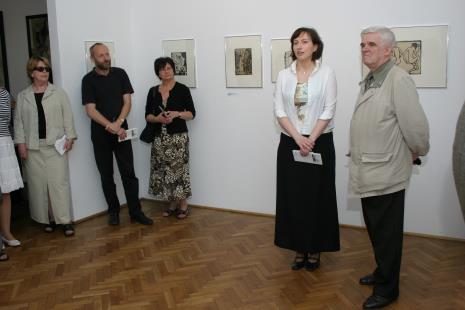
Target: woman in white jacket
x=304 y=104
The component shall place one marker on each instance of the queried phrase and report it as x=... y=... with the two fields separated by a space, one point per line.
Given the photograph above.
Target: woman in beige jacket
x=43 y=116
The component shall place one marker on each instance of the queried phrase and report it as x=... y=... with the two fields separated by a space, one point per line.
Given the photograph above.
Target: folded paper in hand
x=311 y=158
x=60 y=145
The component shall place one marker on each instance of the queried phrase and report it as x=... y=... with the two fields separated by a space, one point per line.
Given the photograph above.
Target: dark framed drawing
x=3 y=64
x=38 y=41
x=37 y=36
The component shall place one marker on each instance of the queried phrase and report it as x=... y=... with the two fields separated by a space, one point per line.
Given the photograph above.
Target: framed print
x=183 y=54
x=87 y=46
x=422 y=52
x=4 y=81
x=38 y=41
x=243 y=56
x=280 y=56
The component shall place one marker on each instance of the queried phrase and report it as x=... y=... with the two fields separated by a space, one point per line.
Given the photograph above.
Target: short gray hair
x=387 y=36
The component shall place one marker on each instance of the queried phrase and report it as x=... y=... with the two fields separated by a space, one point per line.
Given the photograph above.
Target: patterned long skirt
x=169 y=169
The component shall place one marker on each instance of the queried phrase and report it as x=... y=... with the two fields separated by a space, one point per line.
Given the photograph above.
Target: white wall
x=234 y=138
x=14 y=19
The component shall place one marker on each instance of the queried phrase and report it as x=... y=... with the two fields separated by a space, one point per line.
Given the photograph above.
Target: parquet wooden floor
x=211 y=260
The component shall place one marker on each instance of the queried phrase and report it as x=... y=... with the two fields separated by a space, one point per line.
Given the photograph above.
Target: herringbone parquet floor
x=212 y=260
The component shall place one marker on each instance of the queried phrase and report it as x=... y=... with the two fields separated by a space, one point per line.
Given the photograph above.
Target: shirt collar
x=379 y=75
x=317 y=66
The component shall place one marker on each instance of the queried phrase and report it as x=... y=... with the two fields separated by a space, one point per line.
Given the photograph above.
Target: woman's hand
x=172 y=114
x=69 y=144
x=305 y=144
x=22 y=150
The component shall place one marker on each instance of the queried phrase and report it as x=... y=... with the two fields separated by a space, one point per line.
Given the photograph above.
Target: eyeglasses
x=42 y=69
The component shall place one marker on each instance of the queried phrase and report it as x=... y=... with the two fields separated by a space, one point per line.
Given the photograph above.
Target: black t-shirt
x=41 y=116
x=106 y=91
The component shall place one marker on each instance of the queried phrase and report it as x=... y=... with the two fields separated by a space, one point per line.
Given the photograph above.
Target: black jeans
x=384 y=218
x=104 y=148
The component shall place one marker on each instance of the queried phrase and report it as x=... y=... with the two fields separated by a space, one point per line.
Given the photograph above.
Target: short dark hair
x=314 y=36
x=161 y=62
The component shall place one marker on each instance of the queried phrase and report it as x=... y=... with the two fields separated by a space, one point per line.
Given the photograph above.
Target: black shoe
x=68 y=230
x=314 y=264
x=377 y=301
x=113 y=219
x=141 y=219
x=299 y=261
x=50 y=227
x=369 y=279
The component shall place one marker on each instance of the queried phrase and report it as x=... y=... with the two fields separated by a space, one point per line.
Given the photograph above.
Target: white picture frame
x=243 y=61
x=280 y=56
x=182 y=51
x=89 y=62
x=422 y=52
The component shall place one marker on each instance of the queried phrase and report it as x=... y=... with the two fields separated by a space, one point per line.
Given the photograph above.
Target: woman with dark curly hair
x=169 y=106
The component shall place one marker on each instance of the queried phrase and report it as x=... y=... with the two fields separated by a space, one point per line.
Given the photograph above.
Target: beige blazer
x=387 y=126
x=58 y=117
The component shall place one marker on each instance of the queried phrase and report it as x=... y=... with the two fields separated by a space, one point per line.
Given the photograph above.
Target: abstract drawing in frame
x=182 y=52
x=243 y=57
x=87 y=46
x=422 y=52
x=4 y=82
x=280 y=56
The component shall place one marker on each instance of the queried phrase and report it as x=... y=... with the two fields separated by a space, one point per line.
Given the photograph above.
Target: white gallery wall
x=234 y=136
x=14 y=19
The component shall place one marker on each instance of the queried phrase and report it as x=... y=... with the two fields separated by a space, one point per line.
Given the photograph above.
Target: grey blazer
x=387 y=126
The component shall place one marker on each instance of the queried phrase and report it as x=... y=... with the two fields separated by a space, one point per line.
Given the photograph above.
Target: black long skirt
x=306 y=206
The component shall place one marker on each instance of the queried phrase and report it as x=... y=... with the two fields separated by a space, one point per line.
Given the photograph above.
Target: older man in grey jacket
x=388 y=130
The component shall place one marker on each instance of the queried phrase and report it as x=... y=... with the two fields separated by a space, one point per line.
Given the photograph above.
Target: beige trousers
x=47 y=175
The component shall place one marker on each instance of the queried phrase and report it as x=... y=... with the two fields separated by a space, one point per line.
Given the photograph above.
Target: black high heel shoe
x=299 y=261
x=312 y=262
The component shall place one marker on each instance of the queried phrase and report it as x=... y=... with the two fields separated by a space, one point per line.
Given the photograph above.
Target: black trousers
x=104 y=147
x=384 y=218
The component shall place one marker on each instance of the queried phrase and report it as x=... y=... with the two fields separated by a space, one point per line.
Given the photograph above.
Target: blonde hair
x=32 y=64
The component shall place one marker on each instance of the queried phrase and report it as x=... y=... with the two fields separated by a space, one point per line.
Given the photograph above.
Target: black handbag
x=148 y=134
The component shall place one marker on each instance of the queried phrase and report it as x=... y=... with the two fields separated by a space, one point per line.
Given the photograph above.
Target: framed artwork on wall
x=182 y=52
x=243 y=57
x=38 y=41
x=280 y=56
x=422 y=52
x=4 y=81
x=87 y=46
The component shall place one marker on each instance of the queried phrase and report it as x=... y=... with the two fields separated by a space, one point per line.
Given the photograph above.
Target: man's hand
x=113 y=127
x=121 y=134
